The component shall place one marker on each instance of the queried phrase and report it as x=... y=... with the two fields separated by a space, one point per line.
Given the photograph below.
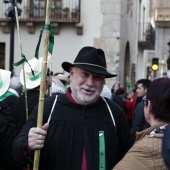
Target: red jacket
x=129 y=108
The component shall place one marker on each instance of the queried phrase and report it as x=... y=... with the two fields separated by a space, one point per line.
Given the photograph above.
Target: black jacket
x=73 y=127
x=139 y=121
x=7 y=135
x=19 y=111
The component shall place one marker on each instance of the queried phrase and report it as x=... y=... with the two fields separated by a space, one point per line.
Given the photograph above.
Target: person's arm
x=36 y=137
x=137 y=158
x=30 y=137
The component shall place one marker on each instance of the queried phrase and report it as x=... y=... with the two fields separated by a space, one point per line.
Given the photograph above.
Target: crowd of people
x=86 y=125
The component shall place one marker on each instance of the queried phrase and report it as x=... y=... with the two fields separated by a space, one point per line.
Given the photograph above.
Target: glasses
x=145 y=101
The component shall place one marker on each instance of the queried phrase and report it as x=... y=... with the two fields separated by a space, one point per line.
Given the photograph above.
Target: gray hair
x=57 y=86
x=15 y=83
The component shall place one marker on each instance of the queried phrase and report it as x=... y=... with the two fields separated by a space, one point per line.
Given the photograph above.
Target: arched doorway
x=127 y=79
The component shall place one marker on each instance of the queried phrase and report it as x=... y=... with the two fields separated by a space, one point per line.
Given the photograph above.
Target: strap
x=49 y=118
x=110 y=112
x=102 y=158
x=22 y=61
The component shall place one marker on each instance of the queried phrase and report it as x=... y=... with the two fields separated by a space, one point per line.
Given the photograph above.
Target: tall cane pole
x=43 y=81
x=19 y=38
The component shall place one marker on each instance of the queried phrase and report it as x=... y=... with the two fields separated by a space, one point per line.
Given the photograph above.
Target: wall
x=67 y=43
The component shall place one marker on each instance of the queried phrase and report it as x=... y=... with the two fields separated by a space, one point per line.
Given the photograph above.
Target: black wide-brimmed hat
x=90 y=59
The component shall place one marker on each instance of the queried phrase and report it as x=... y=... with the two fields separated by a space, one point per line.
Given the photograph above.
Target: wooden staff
x=26 y=103
x=43 y=81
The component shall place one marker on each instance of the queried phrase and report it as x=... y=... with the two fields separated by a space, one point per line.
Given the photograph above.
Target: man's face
x=86 y=86
x=141 y=91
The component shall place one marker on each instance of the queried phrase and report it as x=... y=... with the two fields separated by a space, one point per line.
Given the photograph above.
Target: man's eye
x=98 y=78
x=84 y=75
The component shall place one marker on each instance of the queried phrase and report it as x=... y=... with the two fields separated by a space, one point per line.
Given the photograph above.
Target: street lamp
x=10 y=13
x=168 y=60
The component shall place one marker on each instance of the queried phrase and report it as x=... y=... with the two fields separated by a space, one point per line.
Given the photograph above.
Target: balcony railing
x=146 y=36
x=63 y=11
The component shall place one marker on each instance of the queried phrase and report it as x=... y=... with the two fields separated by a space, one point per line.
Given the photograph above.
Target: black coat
x=7 y=135
x=19 y=111
x=139 y=121
x=73 y=127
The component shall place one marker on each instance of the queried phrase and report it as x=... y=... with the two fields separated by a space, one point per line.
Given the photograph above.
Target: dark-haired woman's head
x=158 y=94
x=115 y=87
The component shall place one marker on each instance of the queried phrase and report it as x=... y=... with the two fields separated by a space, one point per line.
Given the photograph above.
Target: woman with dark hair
x=146 y=153
x=114 y=88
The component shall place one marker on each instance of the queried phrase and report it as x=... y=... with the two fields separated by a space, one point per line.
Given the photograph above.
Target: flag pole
x=19 y=38
x=43 y=80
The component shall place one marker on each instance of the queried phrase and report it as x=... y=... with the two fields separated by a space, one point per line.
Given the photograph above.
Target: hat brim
x=62 y=77
x=66 y=66
x=5 y=76
x=29 y=84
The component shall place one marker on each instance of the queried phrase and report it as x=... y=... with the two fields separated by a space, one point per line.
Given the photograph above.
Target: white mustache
x=87 y=88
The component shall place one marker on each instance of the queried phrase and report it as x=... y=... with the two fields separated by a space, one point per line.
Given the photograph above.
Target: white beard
x=82 y=99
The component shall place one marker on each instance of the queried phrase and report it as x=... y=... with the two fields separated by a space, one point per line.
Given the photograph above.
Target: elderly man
x=84 y=131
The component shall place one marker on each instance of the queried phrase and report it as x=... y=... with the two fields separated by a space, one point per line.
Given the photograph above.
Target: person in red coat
x=129 y=106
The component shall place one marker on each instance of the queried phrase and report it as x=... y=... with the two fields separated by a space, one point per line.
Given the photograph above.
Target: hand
x=36 y=137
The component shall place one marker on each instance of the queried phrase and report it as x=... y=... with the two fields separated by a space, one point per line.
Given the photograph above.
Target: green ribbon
x=22 y=61
x=102 y=159
x=50 y=46
x=6 y=94
x=51 y=39
x=36 y=77
x=1 y=84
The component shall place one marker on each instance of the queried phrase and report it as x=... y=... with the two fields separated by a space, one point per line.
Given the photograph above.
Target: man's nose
x=90 y=81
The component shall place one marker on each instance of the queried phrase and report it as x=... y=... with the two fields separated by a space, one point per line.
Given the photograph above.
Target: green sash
x=7 y=94
x=102 y=159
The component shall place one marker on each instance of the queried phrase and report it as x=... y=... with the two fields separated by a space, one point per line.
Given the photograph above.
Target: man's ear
x=145 y=90
x=71 y=72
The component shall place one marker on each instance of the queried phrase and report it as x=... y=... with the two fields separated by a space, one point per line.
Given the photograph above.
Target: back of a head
x=120 y=91
x=144 y=82
x=159 y=95
x=15 y=83
x=63 y=78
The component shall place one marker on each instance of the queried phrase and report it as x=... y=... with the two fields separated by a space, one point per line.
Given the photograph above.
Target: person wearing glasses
x=146 y=153
x=139 y=122
x=33 y=89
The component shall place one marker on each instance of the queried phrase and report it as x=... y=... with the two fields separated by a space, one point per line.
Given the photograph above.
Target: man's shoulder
x=113 y=106
x=140 y=105
x=58 y=98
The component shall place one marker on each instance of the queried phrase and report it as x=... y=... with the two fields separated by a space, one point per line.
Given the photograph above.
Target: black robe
x=73 y=127
x=19 y=110
x=7 y=135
